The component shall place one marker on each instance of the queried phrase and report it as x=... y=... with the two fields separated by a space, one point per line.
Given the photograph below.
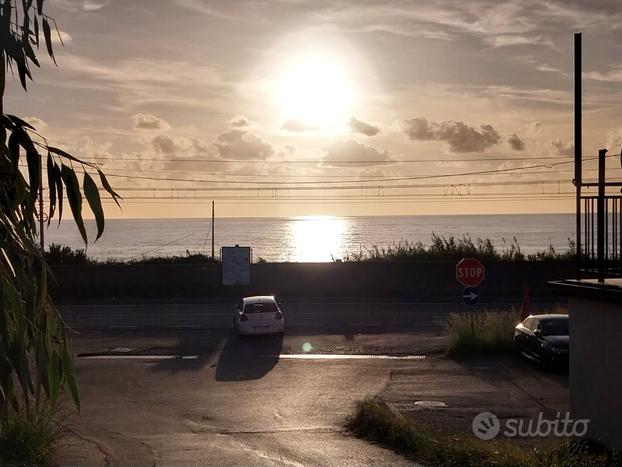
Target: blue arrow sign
x=470 y=296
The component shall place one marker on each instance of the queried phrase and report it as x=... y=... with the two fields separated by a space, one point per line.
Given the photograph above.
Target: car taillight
x=243 y=317
x=278 y=315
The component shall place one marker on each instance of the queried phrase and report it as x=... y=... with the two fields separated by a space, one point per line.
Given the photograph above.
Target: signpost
x=236 y=265
x=470 y=296
x=470 y=273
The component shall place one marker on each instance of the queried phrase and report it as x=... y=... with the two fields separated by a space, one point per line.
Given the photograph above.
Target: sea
x=309 y=238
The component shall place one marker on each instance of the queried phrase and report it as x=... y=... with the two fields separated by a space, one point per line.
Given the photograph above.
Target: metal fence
x=600 y=248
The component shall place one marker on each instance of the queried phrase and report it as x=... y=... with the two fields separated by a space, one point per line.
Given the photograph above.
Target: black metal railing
x=600 y=250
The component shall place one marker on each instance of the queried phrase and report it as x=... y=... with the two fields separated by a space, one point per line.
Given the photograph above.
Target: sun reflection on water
x=318 y=238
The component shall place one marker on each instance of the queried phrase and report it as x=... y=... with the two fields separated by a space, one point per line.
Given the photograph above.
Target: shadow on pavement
x=186 y=343
x=250 y=358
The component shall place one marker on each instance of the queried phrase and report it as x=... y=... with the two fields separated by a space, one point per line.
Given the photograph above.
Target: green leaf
x=19 y=122
x=75 y=198
x=29 y=52
x=34 y=161
x=55 y=369
x=59 y=189
x=14 y=147
x=51 y=188
x=92 y=196
x=66 y=155
x=70 y=377
x=37 y=32
x=21 y=189
x=48 y=39
x=108 y=188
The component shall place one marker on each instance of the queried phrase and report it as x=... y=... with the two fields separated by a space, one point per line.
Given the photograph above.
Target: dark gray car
x=543 y=338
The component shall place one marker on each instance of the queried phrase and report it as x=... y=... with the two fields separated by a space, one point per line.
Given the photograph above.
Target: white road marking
x=305 y=356
x=139 y=357
x=320 y=356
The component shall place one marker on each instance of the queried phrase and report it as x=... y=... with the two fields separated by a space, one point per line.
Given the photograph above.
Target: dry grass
x=373 y=421
x=481 y=331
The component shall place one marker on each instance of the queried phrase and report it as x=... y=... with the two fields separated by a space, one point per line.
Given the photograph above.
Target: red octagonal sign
x=470 y=272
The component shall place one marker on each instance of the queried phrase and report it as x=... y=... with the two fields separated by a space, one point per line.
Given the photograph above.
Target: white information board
x=236 y=265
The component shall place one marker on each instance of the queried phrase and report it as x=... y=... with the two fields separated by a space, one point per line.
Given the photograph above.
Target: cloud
x=295 y=124
x=65 y=38
x=164 y=145
x=142 y=121
x=359 y=126
x=460 y=137
x=535 y=127
x=614 y=140
x=349 y=151
x=516 y=143
x=81 y=5
x=613 y=75
x=144 y=82
x=238 y=122
x=563 y=148
x=239 y=144
x=36 y=122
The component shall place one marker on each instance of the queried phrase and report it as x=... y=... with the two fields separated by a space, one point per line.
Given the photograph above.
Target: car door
x=522 y=335
x=534 y=342
x=237 y=309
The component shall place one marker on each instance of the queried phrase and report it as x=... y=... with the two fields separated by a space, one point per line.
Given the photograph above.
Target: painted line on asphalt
x=282 y=356
x=138 y=357
x=320 y=356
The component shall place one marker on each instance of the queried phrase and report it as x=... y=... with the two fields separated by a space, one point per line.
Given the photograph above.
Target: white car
x=258 y=315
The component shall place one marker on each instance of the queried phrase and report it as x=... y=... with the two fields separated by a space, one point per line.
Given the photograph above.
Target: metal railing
x=608 y=262
x=599 y=228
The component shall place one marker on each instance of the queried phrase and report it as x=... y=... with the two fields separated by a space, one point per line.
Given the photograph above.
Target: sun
x=315 y=92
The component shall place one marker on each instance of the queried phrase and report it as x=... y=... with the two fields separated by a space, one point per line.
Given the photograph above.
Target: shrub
x=59 y=254
x=27 y=440
x=375 y=422
x=454 y=248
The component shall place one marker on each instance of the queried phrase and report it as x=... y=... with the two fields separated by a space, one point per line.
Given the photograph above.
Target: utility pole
x=578 y=141
x=213 y=230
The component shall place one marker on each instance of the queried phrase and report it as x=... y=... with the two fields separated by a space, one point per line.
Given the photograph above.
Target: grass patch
x=440 y=248
x=374 y=422
x=485 y=331
x=480 y=331
x=453 y=248
x=27 y=441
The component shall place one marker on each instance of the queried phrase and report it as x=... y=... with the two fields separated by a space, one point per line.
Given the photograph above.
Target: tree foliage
x=35 y=363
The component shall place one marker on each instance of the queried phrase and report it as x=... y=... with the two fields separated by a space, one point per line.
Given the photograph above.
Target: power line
x=422 y=177
x=203 y=201
x=323 y=161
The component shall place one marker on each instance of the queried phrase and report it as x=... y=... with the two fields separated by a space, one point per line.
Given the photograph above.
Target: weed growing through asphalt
x=373 y=421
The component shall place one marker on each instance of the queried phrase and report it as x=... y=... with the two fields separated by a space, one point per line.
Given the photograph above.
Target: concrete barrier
x=416 y=280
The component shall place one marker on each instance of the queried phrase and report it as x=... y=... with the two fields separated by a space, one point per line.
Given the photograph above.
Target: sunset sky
x=288 y=103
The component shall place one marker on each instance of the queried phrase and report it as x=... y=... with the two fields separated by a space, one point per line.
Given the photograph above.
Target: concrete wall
x=595 y=376
x=421 y=280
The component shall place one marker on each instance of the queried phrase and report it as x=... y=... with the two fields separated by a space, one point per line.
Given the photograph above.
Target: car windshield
x=262 y=307
x=554 y=327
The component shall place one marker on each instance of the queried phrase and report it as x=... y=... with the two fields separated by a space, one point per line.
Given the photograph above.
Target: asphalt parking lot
x=196 y=396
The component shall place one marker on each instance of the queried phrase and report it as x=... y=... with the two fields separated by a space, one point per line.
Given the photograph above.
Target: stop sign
x=470 y=272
